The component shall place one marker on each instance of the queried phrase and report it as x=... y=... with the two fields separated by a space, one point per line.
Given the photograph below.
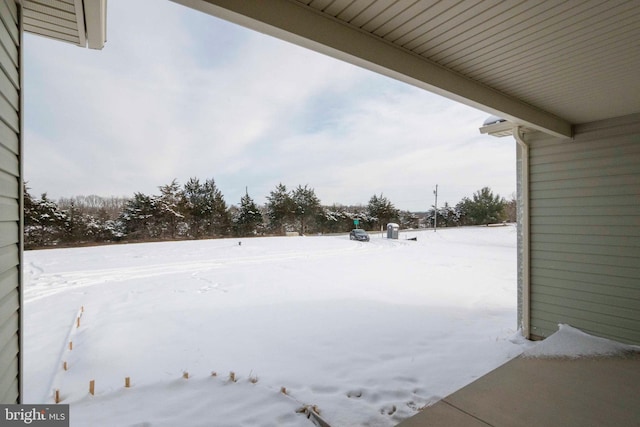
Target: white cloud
x=180 y=94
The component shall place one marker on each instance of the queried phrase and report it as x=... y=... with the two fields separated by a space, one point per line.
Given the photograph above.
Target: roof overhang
x=543 y=65
x=80 y=22
x=294 y=22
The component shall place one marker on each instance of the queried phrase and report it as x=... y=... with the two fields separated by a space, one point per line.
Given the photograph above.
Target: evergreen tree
x=193 y=204
x=204 y=209
x=280 y=209
x=169 y=209
x=484 y=208
x=139 y=217
x=248 y=219
x=381 y=211
x=511 y=209
x=217 y=217
x=335 y=219
x=447 y=216
x=101 y=228
x=44 y=223
x=76 y=229
x=408 y=219
x=306 y=208
x=461 y=211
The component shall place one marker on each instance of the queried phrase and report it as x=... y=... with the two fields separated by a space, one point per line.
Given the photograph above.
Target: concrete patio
x=602 y=391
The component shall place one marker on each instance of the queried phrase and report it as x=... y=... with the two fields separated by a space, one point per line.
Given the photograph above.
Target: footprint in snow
x=413 y=405
x=388 y=410
x=354 y=394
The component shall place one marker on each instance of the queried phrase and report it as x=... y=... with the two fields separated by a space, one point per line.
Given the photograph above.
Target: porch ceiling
x=81 y=22
x=546 y=64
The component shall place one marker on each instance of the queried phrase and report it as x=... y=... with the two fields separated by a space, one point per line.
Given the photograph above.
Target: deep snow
x=367 y=332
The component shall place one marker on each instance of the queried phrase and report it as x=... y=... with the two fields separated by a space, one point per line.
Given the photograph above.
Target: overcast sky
x=177 y=94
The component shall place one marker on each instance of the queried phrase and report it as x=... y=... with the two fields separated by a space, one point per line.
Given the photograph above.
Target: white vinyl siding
x=10 y=202
x=585 y=230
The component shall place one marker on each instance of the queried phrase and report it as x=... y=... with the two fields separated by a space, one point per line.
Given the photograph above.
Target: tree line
x=198 y=210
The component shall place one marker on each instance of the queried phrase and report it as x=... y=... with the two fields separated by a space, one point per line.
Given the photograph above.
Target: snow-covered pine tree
x=280 y=209
x=381 y=211
x=168 y=203
x=139 y=217
x=248 y=219
x=307 y=208
x=44 y=223
x=192 y=205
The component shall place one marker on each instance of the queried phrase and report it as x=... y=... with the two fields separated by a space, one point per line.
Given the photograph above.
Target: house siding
x=10 y=201
x=585 y=230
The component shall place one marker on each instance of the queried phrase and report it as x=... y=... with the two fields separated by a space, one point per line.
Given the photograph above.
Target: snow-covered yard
x=366 y=332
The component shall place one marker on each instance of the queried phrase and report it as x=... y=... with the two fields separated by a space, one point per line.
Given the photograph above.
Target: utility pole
x=435 y=211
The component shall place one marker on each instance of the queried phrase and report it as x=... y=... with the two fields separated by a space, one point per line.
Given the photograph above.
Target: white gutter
x=524 y=224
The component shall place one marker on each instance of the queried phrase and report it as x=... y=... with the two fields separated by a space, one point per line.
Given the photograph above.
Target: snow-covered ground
x=367 y=332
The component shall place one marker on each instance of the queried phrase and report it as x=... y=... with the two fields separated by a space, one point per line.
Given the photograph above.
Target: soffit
x=578 y=60
x=80 y=22
x=547 y=64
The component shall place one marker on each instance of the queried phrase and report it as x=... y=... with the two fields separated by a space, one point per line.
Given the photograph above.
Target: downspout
x=523 y=213
x=21 y=366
